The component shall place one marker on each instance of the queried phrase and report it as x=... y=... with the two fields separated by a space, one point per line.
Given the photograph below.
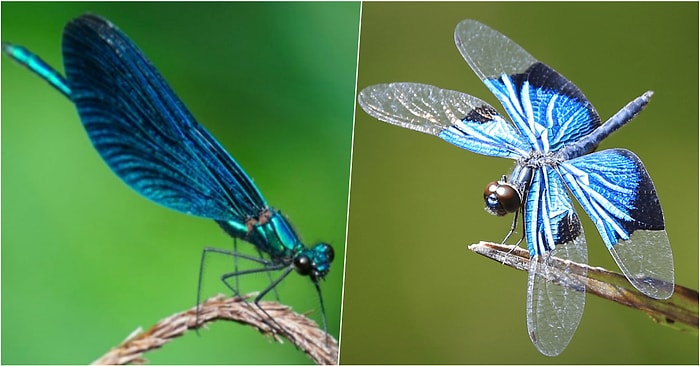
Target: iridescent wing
x=460 y=119
x=555 y=298
x=545 y=107
x=152 y=142
x=615 y=190
x=145 y=133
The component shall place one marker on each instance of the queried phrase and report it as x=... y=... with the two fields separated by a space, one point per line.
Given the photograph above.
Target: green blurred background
x=85 y=260
x=414 y=293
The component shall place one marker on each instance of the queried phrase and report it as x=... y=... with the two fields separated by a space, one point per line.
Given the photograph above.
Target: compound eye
x=490 y=189
x=508 y=197
x=501 y=198
x=330 y=254
x=302 y=264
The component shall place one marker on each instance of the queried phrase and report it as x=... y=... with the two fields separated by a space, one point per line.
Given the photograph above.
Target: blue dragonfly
x=552 y=135
x=153 y=143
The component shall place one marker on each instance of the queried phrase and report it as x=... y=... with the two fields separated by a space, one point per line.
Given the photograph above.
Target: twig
x=679 y=312
x=298 y=329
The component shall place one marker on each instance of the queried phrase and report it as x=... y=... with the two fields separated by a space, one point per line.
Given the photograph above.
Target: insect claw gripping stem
x=268 y=267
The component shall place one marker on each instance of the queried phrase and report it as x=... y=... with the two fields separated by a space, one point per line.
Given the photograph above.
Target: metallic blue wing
x=615 y=190
x=460 y=119
x=145 y=133
x=555 y=299
x=549 y=110
x=151 y=141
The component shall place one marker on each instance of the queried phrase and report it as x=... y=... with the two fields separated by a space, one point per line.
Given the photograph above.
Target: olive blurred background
x=414 y=293
x=85 y=260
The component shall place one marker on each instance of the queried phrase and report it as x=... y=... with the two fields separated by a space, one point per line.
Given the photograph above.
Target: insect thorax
x=538 y=159
x=270 y=232
x=507 y=195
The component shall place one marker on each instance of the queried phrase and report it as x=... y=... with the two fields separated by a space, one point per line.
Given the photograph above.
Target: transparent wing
x=545 y=107
x=555 y=298
x=144 y=132
x=488 y=52
x=615 y=190
x=460 y=119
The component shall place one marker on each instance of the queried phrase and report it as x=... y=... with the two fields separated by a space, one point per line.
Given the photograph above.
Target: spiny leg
x=272 y=287
x=273 y=284
x=513 y=226
x=235 y=263
x=235 y=268
x=522 y=237
x=323 y=310
x=262 y=218
x=269 y=277
x=264 y=262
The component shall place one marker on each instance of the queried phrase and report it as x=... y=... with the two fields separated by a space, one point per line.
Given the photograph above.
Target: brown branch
x=680 y=311
x=298 y=329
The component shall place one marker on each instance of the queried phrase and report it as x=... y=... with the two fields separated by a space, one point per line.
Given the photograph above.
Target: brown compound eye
x=501 y=198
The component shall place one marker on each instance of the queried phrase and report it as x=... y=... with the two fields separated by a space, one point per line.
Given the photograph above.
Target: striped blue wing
x=615 y=190
x=545 y=107
x=550 y=218
x=460 y=119
x=555 y=299
x=145 y=133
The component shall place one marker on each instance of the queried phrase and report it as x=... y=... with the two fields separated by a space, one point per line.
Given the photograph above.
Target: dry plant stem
x=298 y=329
x=679 y=312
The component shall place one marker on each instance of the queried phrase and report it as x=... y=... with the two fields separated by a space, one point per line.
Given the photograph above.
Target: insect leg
x=269 y=277
x=266 y=263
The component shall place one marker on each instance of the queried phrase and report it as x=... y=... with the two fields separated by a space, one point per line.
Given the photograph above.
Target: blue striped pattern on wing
x=545 y=107
x=550 y=218
x=460 y=119
x=144 y=132
x=555 y=300
x=615 y=190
